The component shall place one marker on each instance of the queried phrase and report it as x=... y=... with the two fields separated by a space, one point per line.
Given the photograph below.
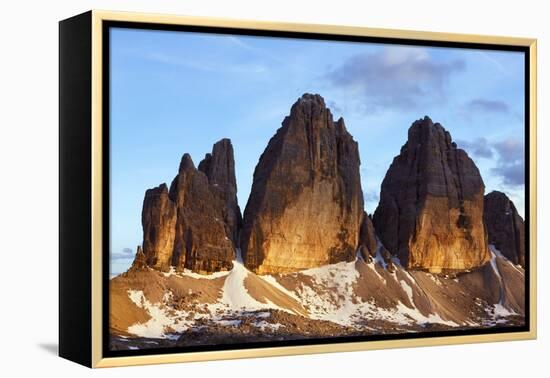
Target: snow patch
x=333 y=298
x=499 y=310
x=229 y=323
x=263 y=325
x=161 y=322
x=334 y=301
x=408 y=290
x=191 y=274
x=235 y=296
x=273 y=282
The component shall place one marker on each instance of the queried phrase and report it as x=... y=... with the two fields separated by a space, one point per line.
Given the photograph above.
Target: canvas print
x=272 y=189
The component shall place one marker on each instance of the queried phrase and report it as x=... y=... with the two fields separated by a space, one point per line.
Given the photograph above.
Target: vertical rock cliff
x=306 y=202
x=201 y=242
x=158 y=219
x=430 y=213
x=195 y=224
x=367 y=238
x=505 y=227
x=219 y=167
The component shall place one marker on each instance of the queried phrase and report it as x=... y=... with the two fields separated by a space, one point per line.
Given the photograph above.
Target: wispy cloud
x=488 y=106
x=239 y=42
x=371 y=196
x=479 y=147
x=335 y=108
x=489 y=58
x=125 y=254
x=508 y=154
x=210 y=66
x=511 y=163
x=396 y=77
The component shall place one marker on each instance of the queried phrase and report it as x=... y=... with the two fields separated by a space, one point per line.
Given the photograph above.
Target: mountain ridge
x=314 y=263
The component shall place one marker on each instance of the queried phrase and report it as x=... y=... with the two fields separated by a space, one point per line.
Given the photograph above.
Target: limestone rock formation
x=306 y=203
x=195 y=224
x=201 y=242
x=430 y=213
x=505 y=227
x=140 y=261
x=158 y=219
x=219 y=167
x=367 y=238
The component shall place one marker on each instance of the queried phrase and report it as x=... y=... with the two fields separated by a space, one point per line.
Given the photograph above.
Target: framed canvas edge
x=98 y=16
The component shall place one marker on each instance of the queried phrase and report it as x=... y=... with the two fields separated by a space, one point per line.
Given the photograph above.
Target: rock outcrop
x=158 y=219
x=140 y=261
x=430 y=213
x=195 y=224
x=219 y=167
x=306 y=203
x=201 y=242
x=367 y=238
x=505 y=227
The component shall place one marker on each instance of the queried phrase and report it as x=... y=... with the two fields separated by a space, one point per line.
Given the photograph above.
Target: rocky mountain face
x=311 y=160
x=195 y=224
x=151 y=309
x=219 y=167
x=430 y=213
x=140 y=261
x=158 y=219
x=505 y=227
x=367 y=238
x=315 y=264
x=201 y=242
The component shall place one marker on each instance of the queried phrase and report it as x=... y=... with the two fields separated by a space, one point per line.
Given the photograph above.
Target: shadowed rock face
x=201 y=243
x=306 y=202
x=505 y=227
x=430 y=213
x=219 y=167
x=158 y=218
x=367 y=238
x=195 y=224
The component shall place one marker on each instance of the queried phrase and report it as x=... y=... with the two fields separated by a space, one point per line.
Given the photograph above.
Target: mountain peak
x=194 y=225
x=310 y=160
x=312 y=98
x=219 y=165
x=431 y=203
x=186 y=163
x=505 y=227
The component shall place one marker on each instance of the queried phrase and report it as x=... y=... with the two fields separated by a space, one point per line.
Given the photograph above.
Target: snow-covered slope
x=349 y=296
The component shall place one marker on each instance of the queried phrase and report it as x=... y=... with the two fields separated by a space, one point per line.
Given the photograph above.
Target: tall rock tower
x=306 y=203
x=505 y=227
x=195 y=224
x=430 y=213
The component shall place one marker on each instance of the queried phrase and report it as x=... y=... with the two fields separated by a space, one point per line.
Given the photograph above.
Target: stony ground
x=281 y=326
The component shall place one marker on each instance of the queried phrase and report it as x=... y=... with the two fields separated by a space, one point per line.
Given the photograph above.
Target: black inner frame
x=107 y=25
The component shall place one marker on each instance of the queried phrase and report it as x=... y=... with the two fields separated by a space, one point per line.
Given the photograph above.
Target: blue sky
x=177 y=92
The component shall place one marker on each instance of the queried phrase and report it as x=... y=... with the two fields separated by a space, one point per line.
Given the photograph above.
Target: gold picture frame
x=86 y=33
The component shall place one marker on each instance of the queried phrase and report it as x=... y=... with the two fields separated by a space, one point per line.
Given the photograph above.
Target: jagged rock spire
x=195 y=224
x=505 y=227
